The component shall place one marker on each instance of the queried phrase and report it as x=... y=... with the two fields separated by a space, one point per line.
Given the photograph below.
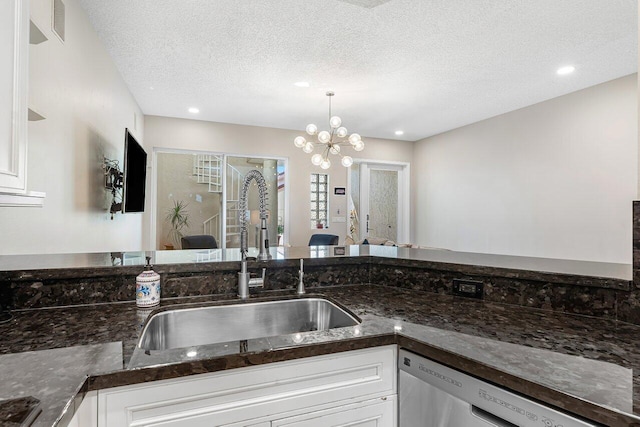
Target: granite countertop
x=26 y=263
x=581 y=364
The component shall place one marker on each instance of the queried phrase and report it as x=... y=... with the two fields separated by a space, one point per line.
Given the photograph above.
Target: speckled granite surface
x=19 y=412
x=21 y=264
x=55 y=376
x=582 y=364
x=204 y=272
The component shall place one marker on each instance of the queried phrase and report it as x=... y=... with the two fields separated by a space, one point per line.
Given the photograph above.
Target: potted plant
x=178 y=218
x=280 y=233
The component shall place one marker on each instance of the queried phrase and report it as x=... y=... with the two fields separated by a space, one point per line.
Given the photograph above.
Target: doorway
x=207 y=187
x=379 y=201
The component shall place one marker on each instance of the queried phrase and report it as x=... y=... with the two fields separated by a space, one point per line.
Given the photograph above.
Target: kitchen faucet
x=244 y=279
x=301 y=290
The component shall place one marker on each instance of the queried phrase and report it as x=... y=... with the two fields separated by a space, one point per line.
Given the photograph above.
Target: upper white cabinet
x=14 y=54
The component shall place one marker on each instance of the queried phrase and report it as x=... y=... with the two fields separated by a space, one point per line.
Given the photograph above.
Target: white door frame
x=404 y=191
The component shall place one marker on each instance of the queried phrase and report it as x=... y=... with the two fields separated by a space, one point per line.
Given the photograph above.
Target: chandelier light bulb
x=324 y=137
x=308 y=147
x=330 y=142
x=312 y=129
x=335 y=122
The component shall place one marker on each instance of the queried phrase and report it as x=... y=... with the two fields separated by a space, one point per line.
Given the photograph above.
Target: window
x=210 y=183
x=319 y=200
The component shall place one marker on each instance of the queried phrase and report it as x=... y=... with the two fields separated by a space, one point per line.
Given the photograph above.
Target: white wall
x=176 y=183
x=554 y=180
x=163 y=132
x=87 y=106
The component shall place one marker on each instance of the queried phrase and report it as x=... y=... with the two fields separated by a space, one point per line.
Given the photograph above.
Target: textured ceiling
x=423 y=66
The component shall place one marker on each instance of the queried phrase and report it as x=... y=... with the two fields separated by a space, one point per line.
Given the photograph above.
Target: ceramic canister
x=148 y=288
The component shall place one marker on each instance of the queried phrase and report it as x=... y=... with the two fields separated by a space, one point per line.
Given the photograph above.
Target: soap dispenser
x=148 y=287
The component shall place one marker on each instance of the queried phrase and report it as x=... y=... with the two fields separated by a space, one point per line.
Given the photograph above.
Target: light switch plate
x=339 y=219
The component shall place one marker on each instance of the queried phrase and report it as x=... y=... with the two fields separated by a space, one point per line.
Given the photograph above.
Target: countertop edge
x=554 y=398
x=569 y=279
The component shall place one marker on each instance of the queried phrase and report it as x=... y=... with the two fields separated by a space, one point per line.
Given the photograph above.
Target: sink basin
x=209 y=325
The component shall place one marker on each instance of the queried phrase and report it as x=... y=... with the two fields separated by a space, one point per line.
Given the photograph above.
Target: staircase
x=208 y=170
x=234 y=185
x=212 y=226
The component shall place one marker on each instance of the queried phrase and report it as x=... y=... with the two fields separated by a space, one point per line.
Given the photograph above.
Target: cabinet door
x=375 y=413
x=14 y=71
x=252 y=395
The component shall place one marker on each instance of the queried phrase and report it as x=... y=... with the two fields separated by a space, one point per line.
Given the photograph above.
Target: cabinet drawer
x=377 y=413
x=223 y=397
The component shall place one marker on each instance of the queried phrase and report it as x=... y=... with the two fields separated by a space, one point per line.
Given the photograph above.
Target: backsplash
x=629 y=304
x=601 y=297
x=98 y=285
x=548 y=292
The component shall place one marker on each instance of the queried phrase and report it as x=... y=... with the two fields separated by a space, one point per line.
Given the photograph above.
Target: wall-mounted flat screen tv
x=135 y=174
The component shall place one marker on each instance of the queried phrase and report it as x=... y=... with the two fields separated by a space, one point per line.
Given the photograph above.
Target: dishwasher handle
x=490 y=418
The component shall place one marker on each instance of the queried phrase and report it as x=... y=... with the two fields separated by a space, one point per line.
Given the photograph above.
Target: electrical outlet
x=468 y=288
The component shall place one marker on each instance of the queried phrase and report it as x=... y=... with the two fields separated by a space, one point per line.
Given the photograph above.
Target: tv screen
x=135 y=175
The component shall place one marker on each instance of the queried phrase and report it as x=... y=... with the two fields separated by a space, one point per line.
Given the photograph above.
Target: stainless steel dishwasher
x=432 y=395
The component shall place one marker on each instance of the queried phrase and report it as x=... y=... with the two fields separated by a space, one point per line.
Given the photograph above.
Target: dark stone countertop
x=19 y=412
x=25 y=266
x=580 y=364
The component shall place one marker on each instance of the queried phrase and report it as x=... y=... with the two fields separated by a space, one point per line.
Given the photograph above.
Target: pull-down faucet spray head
x=263 y=249
x=244 y=277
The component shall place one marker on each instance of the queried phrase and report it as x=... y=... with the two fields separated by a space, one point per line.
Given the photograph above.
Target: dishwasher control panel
x=495 y=405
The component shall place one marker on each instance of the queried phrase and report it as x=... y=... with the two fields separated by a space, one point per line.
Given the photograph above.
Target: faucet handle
x=258 y=282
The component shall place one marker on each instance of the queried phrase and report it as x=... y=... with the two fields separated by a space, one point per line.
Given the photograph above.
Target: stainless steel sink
x=215 y=324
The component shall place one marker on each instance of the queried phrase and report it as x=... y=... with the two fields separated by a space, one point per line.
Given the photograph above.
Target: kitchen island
x=579 y=364
x=70 y=336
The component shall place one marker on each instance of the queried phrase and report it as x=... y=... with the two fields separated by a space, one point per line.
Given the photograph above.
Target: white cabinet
x=322 y=390
x=14 y=112
x=87 y=413
x=14 y=72
x=377 y=413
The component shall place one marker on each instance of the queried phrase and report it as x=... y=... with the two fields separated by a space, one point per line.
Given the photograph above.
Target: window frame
x=314 y=190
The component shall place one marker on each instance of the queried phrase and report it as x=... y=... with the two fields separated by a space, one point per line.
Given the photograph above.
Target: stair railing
x=211 y=226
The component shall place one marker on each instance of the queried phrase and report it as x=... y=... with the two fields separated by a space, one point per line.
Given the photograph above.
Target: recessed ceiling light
x=399 y=132
x=192 y=353
x=194 y=110
x=563 y=71
x=301 y=84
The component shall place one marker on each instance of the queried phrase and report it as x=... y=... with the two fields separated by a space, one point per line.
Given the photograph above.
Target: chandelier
x=330 y=142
